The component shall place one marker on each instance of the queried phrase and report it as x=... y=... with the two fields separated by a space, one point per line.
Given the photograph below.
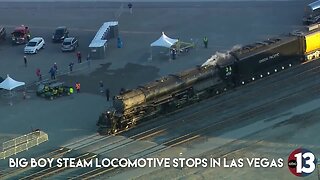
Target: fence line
x=23 y=143
x=20 y=140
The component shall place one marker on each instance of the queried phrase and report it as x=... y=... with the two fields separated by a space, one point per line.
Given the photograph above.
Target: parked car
x=60 y=34
x=69 y=44
x=2 y=33
x=34 y=45
x=20 y=35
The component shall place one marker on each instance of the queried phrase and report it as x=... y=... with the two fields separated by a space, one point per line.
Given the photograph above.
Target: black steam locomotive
x=237 y=67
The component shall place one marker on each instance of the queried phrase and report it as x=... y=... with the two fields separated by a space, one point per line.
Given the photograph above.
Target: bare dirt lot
x=67 y=119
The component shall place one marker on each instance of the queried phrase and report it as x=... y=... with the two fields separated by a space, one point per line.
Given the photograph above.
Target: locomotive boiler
x=236 y=68
x=160 y=96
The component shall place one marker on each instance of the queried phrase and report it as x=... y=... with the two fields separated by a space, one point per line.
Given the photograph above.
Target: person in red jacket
x=78 y=87
x=38 y=73
x=79 y=56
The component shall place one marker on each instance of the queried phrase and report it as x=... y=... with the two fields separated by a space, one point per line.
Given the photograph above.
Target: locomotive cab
x=227 y=69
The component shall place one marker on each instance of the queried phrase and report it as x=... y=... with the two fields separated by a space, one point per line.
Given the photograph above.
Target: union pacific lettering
x=269 y=58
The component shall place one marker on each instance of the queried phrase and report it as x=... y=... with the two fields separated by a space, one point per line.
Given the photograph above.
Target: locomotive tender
x=238 y=67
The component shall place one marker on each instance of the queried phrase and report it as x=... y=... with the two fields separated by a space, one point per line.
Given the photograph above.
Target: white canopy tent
x=10 y=83
x=163 y=41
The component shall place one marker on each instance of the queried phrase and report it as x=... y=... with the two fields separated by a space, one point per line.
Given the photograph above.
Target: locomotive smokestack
x=218 y=56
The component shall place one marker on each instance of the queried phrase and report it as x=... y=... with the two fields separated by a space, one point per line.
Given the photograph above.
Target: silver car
x=69 y=44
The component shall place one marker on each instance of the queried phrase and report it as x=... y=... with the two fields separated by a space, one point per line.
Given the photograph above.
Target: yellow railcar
x=311 y=43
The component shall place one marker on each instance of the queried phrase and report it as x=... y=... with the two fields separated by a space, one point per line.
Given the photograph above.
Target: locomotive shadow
x=114 y=79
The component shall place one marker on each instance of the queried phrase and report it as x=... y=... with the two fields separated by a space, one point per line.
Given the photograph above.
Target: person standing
x=101 y=86
x=122 y=90
x=55 y=66
x=71 y=66
x=25 y=61
x=38 y=73
x=79 y=56
x=88 y=60
x=119 y=42
x=52 y=73
x=107 y=94
x=130 y=7
x=24 y=95
x=174 y=54
x=205 y=42
x=71 y=90
x=78 y=87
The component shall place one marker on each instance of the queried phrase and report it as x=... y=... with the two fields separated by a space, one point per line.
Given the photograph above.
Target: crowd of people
x=53 y=71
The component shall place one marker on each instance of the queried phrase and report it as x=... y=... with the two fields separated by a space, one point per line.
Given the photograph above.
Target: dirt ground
x=69 y=118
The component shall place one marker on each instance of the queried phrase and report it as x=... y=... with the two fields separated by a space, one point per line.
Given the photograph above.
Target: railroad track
x=154 y=131
x=171 y=143
x=161 y=147
x=247 y=114
x=140 y=136
x=182 y=119
x=199 y=132
x=55 y=169
x=86 y=142
x=234 y=146
x=158 y=148
x=40 y=173
x=57 y=153
x=53 y=154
